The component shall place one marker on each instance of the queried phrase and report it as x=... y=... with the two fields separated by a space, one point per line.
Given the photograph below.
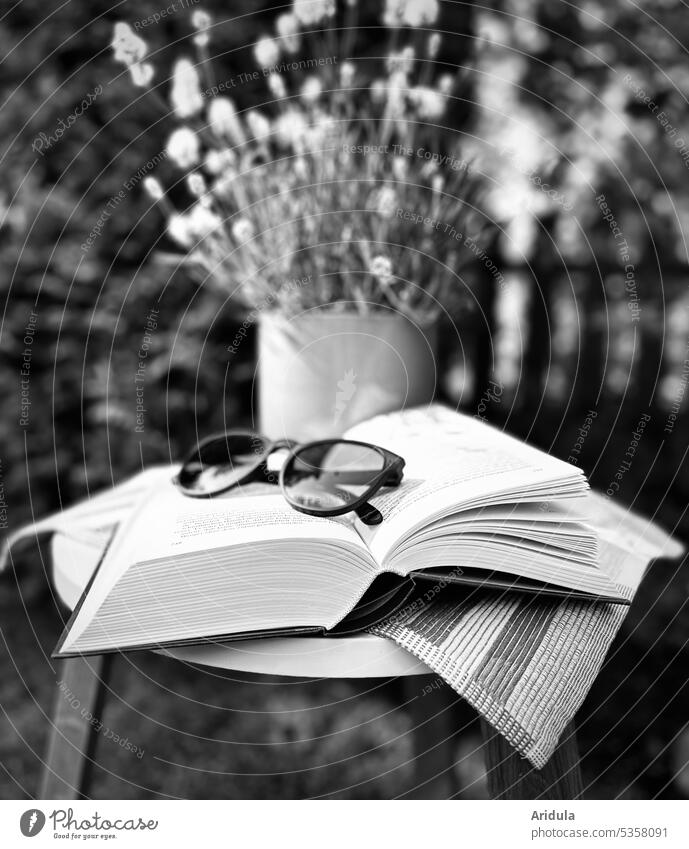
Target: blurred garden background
x=577 y=116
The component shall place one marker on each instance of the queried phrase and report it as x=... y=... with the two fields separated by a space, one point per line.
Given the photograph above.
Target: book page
x=100 y=510
x=166 y=525
x=628 y=541
x=455 y=462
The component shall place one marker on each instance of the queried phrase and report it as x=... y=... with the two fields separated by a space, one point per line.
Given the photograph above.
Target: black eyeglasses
x=325 y=478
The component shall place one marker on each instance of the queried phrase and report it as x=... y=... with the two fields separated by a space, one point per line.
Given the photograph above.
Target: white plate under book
x=360 y=656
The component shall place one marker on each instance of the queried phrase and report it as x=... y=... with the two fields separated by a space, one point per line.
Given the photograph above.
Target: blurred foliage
x=93 y=304
x=549 y=89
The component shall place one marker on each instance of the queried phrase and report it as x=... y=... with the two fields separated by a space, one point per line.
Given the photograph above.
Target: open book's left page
x=184 y=568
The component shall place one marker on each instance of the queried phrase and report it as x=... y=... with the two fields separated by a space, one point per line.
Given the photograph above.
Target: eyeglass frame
x=391 y=474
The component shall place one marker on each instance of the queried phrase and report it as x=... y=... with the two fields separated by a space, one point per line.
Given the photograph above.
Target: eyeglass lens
x=222 y=462
x=328 y=476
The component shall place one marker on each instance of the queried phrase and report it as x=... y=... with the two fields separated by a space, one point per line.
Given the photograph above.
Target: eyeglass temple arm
x=394 y=475
x=369 y=514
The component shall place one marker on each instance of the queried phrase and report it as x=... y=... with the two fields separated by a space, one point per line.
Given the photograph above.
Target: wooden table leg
x=431 y=708
x=511 y=776
x=77 y=710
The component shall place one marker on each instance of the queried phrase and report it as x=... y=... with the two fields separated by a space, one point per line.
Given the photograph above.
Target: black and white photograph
x=344 y=351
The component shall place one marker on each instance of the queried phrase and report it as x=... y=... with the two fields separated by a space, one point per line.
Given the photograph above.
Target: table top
x=361 y=656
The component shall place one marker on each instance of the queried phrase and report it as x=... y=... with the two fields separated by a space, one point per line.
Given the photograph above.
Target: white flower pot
x=322 y=372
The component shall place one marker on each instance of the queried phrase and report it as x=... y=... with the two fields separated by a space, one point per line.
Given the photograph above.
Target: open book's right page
x=511 y=507
x=628 y=541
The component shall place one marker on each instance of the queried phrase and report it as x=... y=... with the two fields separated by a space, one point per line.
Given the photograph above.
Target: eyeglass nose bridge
x=280 y=444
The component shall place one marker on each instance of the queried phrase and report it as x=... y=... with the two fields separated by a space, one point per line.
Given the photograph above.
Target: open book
x=476 y=507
